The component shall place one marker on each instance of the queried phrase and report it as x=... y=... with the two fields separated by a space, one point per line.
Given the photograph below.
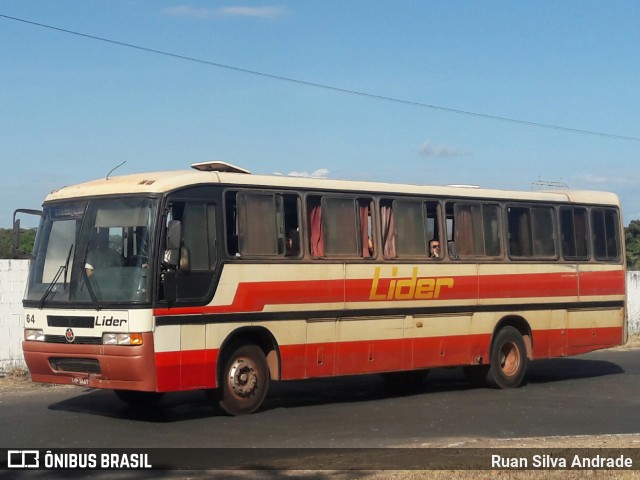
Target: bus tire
x=508 y=359
x=244 y=381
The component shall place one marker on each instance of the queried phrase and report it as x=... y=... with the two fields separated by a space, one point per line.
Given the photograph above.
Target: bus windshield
x=94 y=251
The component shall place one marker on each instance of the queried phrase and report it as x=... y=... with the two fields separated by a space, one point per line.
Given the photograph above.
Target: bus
x=217 y=279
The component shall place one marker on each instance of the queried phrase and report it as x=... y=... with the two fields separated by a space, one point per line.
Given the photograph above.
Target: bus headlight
x=33 y=335
x=122 y=339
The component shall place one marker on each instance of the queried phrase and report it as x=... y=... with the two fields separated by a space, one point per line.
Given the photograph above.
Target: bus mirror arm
x=169 y=286
x=185 y=263
x=15 y=234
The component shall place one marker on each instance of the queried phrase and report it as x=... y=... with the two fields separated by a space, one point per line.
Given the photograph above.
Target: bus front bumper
x=97 y=366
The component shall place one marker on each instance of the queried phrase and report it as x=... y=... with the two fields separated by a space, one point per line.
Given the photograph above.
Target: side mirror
x=15 y=234
x=174 y=239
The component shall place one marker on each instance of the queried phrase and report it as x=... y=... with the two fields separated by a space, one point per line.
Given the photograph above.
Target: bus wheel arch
x=259 y=336
x=520 y=324
x=248 y=360
x=511 y=347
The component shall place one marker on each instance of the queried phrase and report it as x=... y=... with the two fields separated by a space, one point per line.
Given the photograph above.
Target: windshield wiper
x=63 y=268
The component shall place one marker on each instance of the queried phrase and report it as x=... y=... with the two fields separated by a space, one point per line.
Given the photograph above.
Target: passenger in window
x=292 y=243
x=434 y=249
x=370 y=247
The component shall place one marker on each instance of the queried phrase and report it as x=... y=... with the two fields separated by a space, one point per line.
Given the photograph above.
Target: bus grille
x=70 y=321
x=76 y=341
x=80 y=365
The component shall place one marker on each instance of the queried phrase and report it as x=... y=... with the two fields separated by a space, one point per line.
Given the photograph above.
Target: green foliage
x=632 y=242
x=27 y=238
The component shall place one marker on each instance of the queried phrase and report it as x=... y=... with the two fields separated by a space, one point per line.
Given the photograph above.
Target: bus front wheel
x=244 y=381
x=508 y=359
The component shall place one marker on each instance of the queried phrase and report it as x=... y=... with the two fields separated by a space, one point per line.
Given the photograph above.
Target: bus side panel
x=441 y=340
x=369 y=344
x=187 y=355
x=594 y=329
x=167 y=339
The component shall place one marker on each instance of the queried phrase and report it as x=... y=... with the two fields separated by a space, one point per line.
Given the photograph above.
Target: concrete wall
x=13 y=280
x=633 y=301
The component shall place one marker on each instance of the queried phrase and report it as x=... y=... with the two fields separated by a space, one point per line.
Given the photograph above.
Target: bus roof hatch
x=218 y=166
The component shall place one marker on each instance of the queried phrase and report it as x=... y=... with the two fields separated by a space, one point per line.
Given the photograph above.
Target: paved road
x=598 y=393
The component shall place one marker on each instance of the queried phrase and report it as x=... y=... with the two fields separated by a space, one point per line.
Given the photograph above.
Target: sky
x=500 y=94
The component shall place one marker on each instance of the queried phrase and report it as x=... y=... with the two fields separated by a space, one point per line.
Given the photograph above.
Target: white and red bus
x=214 y=278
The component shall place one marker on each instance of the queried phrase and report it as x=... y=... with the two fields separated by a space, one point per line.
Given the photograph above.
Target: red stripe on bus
x=197 y=369
x=603 y=283
x=255 y=296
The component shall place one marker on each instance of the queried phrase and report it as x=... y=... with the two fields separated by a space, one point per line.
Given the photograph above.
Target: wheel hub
x=243 y=377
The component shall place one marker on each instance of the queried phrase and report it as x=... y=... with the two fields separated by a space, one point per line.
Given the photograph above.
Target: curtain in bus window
x=339 y=223
x=580 y=223
x=463 y=230
x=519 y=232
x=257 y=224
x=544 y=244
x=388 y=232
x=410 y=228
x=316 y=239
x=491 y=230
x=365 y=228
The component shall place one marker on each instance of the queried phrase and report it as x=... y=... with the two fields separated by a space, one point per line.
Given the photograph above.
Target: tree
x=27 y=237
x=632 y=242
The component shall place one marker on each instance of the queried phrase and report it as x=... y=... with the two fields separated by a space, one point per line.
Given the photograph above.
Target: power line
x=324 y=86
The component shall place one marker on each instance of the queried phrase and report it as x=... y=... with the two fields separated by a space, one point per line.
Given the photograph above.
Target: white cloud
x=273 y=11
x=429 y=149
x=595 y=179
x=319 y=173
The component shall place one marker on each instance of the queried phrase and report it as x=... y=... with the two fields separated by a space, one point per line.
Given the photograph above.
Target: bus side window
x=292 y=225
x=410 y=228
x=532 y=232
x=476 y=229
x=340 y=226
x=388 y=229
x=262 y=224
x=606 y=241
x=573 y=233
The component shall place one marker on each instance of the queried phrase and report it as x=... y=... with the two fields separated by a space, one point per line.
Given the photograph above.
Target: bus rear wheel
x=508 y=359
x=244 y=381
